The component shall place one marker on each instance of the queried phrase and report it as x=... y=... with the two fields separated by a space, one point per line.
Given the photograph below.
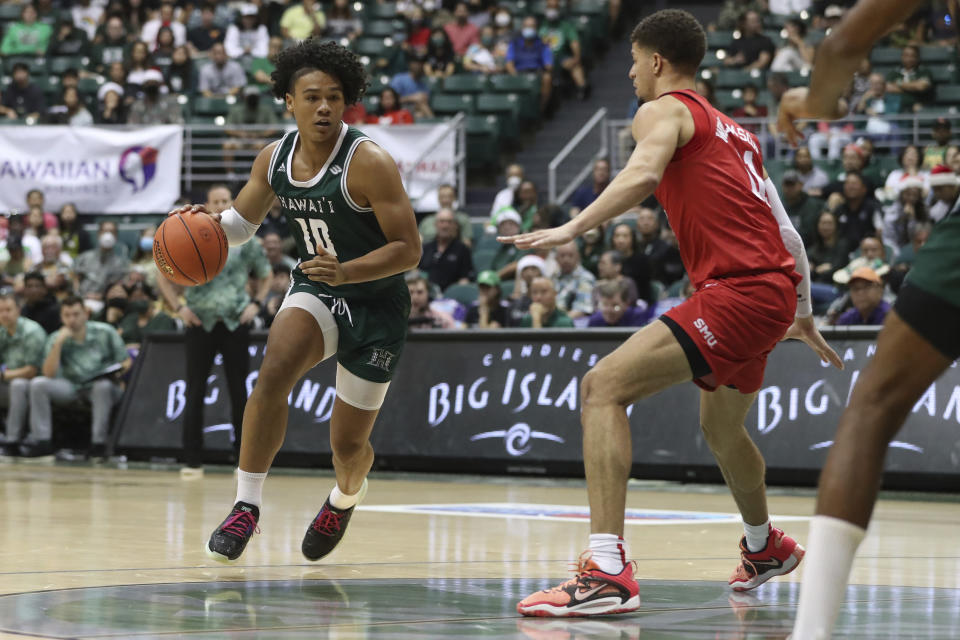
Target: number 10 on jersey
x=316 y=235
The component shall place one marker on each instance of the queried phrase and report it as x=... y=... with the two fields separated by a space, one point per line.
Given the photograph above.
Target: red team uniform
x=745 y=279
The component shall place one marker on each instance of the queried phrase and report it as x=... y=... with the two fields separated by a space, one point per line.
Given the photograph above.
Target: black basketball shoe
x=327 y=529
x=231 y=537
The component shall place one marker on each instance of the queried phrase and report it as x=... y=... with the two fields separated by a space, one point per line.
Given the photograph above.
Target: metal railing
x=595 y=123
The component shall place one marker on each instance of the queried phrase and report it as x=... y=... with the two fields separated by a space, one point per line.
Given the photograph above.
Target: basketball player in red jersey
x=752 y=290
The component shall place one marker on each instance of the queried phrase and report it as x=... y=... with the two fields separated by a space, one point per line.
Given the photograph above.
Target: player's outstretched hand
x=794 y=106
x=324 y=268
x=540 y=239
x=194 y=208
x=804 y=329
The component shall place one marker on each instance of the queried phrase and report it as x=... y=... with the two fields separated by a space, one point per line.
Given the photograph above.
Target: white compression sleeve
x=794 y=244
x=237 y=228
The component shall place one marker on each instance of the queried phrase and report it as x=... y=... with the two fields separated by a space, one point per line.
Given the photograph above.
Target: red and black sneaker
x=231 y=537
x=781 y=556
x=327 y=529
x=591 y=593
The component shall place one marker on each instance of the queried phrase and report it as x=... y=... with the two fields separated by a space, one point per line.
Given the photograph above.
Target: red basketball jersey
x=714 y=196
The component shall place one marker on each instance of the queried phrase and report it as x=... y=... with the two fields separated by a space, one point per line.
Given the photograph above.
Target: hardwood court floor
x=110 y=553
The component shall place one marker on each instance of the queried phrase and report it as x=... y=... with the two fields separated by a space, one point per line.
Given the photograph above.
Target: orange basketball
x=190 y=248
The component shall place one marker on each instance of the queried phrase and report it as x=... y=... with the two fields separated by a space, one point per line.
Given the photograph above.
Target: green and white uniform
x=371 y=317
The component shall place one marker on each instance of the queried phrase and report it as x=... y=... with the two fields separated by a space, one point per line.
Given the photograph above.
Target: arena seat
x=462 y=293
x=452 y=103
x=465 y=83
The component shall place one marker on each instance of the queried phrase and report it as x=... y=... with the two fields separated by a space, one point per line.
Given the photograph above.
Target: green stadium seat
x=381 y=11
x=465 y=83
x=209 y=107
x=738 y=78
x=10 y=12
x=483 y=258
x=38 y=66
x=710 y=59
x=452 y=103
x=943 y=73
x=506 y=288
x=527 y=85
x=948 y=94
x=371 y=102
x=507 y=107
x=372 y=47
x=379 y=29
x=797 y=78
x=936 y=55
x=377 y=84
x=719 y=39
x=462 y=293
x=59 y=64
x=483 y=141
x=885 y=55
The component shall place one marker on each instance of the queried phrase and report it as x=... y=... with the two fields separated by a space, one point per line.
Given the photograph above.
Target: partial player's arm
x=658 y=128
x=838 y=57
x=374 y=181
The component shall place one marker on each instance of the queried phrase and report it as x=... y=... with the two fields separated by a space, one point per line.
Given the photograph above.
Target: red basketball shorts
x=732 y=324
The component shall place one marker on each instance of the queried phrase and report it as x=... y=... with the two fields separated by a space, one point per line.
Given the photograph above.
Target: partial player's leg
x=904 y=366
x=650 y=361
x=765 y=551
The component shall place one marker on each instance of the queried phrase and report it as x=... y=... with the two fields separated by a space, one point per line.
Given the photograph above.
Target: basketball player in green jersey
x=919 y=340
x=356 y=234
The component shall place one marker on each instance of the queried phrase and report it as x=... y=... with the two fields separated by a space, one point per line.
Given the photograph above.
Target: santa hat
x=908 y=182
x=943 y=176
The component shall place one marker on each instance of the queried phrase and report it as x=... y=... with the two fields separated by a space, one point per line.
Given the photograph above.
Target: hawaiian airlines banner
x=511 y=400
x=100 y=169
x=425 y=155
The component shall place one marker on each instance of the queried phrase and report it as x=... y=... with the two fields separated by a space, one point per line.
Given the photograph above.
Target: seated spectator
x=417 y=30
x=543 y=312
x=422 y=316
x=803 y=209
x=854 y=159
x=592 y=244
x=342 y=22
x=164 y=19
x=731 y=13
x=142 y=266
x=481 y=56
x=610 y=267
x=68 y=40
x=866 y=294
x=114 y=298
x=180 y=74
x=261 y=68
x=912 y=81
x=703 y=86
x=155 y=107
x=460 y=32
x=106 y=263
x=14 y=261
x=35 y=228
x=278 y=290
x=946 y=189
x=828 y=250
x=240 y=126
x=753 y=49
x=221 y=76
x=206 y=34
x=246 y=38
x=27 y=37
x=440 y=61
x=876 y=103
x=35 y=198
x=909 y=161
x=564 y=40
x=529 y=268
x=587 y=193
x=935 y=153
x=39 y=304
x=111 y=45
x=302 y=20
x=143 y=315
x=447 y=199
x=573 y=283
x=504 y=197
x=74 y=239
x=70 y=111
x=872 y=254
x=857 y=212
x=613 y=310
x=902 y=216
x=56 y=265
x=750 y=108
x=413 y=89
x=505 y=259
x=635 y=265
x=21 y=355
x=664 y=258
x=952 y=157
x=138 y=64
x=529 y=53
x=163 y=52
x=908 y=253
x=490 y=310
x=446 y=259
x=796 y=54
x=22 y=98
x=86 y=15
x=273 y=247
x=81 y=360
x=525 y=203
x=112 y=110
x=814 y=178
x=389 y=110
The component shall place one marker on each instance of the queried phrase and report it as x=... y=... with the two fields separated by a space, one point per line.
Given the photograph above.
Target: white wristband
x=237 y=228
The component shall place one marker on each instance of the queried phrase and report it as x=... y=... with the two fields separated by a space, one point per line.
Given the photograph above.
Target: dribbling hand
x=324 y=268
x=194 y=208
x=803 y=329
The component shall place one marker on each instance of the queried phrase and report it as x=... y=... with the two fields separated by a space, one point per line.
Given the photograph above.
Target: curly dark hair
x=314 y=54
x=674 y=34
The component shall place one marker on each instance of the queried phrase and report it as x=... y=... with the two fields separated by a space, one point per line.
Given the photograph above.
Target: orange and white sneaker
x=781 y=556
x=591 y=593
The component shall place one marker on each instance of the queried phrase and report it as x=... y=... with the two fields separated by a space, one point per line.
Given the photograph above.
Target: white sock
x=830 y=550
x=757 y=535
x=341 y=500
x=609 y=552
x=250 y=487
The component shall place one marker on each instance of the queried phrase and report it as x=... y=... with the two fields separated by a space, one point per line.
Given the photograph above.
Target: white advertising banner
x=99 y=169
x=425 y=154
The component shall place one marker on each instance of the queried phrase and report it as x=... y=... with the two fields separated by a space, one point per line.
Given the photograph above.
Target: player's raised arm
x=837 y=58
x=657 y=128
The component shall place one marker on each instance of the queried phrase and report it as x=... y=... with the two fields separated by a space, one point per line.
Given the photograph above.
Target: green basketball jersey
x=321 y=213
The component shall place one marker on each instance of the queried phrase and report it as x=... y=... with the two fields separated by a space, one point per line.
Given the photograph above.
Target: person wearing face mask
x=528 y=53
x=441 y=60
x=461 y=31
x=504 y=197
x=564 y=42
x=107 y=262
x=114 y=304
x=243 y=116
x=142 y=261
x=143 y=316
x=480 y=57
x=154 y=106
x=418 y=29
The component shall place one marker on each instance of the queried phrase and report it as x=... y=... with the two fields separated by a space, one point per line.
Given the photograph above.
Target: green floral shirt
x=225 y=297
x=81 y=361
x=24 y=347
